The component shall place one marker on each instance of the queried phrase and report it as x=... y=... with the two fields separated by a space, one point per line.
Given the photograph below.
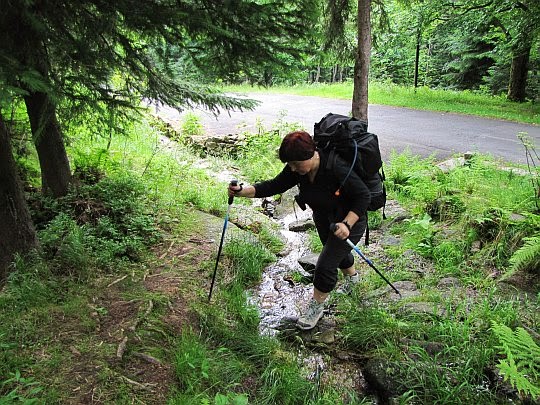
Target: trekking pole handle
x=334 y=227
x=231 y=197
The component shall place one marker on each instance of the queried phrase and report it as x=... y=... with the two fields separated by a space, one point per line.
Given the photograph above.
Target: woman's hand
x=240 y=190
x=234 y=190
x=341 y=231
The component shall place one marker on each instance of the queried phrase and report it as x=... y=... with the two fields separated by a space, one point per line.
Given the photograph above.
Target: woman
x=306 y=166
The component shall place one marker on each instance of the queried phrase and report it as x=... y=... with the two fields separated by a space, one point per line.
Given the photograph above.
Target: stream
x=276 y=297
x=280 y=299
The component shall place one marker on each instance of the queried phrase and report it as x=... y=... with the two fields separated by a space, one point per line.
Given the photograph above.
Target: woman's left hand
x=341 y=231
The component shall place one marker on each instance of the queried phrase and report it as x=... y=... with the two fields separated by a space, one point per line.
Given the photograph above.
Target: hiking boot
x=313 y=313
x=349 y=283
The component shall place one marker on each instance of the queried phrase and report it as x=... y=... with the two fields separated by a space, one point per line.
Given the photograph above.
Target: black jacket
x=321 y=194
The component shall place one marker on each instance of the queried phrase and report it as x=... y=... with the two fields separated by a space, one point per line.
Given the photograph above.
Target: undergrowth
x=477 y=223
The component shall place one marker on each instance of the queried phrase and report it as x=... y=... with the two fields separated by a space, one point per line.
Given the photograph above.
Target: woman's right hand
x=234 y=190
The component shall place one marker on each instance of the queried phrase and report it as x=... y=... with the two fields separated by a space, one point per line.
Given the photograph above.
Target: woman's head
x=296 y=146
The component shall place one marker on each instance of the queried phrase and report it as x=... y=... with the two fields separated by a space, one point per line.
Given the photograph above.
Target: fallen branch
x=147 y=358
x=167 y=251
x=116 y=281
x=145 y=315
x=137 y=384
x=121 y=348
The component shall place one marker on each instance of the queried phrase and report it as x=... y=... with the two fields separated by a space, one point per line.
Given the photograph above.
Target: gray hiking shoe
x=313 y=313
x=348 y=284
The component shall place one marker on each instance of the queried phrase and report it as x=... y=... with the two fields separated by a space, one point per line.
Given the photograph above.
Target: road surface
x=422 y=132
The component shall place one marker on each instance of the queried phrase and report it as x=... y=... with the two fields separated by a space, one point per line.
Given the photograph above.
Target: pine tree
x=73 y=49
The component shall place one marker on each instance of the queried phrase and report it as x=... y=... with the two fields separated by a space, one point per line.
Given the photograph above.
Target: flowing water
x=280 y=299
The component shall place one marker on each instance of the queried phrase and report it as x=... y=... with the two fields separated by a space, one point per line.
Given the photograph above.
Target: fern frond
x=521 y=366
x=528 y=256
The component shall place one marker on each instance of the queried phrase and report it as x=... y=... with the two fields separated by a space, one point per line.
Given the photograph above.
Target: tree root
x=123 y=344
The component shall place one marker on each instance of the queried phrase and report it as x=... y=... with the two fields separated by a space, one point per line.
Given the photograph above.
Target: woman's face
x=300 y=166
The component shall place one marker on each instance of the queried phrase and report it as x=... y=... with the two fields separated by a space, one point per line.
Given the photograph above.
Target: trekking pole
x=231 y=198
x=333 y=228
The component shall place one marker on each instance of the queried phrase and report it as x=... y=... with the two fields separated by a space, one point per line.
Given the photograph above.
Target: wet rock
x=269 y=205
x=301 y=225
x=308 y=262
x=384 y=377
x=288 y=323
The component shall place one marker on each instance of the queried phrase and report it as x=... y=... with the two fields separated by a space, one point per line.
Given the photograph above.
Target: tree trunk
x=17 y=234
x=318 y=74
x=41 y=110
x=362 y=60
x=417 y=59
x=518 y=74
x=53 y=160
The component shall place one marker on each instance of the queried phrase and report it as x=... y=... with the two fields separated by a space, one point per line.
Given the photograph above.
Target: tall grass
x=423 y=98
x=233 y=323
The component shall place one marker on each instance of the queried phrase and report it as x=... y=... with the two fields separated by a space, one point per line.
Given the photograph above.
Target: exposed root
x=116 y=281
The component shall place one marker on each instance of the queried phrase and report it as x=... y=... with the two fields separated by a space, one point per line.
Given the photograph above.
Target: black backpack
x=348 y=137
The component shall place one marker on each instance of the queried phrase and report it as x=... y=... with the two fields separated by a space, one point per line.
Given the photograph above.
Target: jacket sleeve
x=285 y=180
x=355 y=191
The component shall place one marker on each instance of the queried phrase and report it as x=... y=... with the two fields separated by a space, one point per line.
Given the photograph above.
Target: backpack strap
x=332 y=156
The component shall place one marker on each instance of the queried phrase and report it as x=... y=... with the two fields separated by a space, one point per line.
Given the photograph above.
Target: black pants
x=336 y=253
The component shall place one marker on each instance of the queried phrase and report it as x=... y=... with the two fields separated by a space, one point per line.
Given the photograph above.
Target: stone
x=326 y=336
x=390 y=240
x=449 y=282
x=308 y=262
x=476 y=246
x=395 y=212
x=431 y=348
x=424 y=308
x=406 y=288
x=384 y=377
x=450 y=164
x=302 y=225
x=517 y=217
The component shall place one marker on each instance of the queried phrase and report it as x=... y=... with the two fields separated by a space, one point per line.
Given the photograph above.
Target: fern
x=527 y=256
x=522 y=363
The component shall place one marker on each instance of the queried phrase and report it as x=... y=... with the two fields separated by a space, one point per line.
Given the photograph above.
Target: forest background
x=75 y=73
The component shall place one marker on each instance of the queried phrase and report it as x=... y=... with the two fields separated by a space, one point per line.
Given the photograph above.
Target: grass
x=462 y=102
x=138 y=254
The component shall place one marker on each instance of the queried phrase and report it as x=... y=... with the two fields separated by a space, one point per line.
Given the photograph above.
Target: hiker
x=306 y=167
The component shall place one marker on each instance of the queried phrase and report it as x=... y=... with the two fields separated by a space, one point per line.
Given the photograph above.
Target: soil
x=128 y=332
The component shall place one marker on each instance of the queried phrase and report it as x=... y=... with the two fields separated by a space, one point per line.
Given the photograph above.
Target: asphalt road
x=423 y=132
